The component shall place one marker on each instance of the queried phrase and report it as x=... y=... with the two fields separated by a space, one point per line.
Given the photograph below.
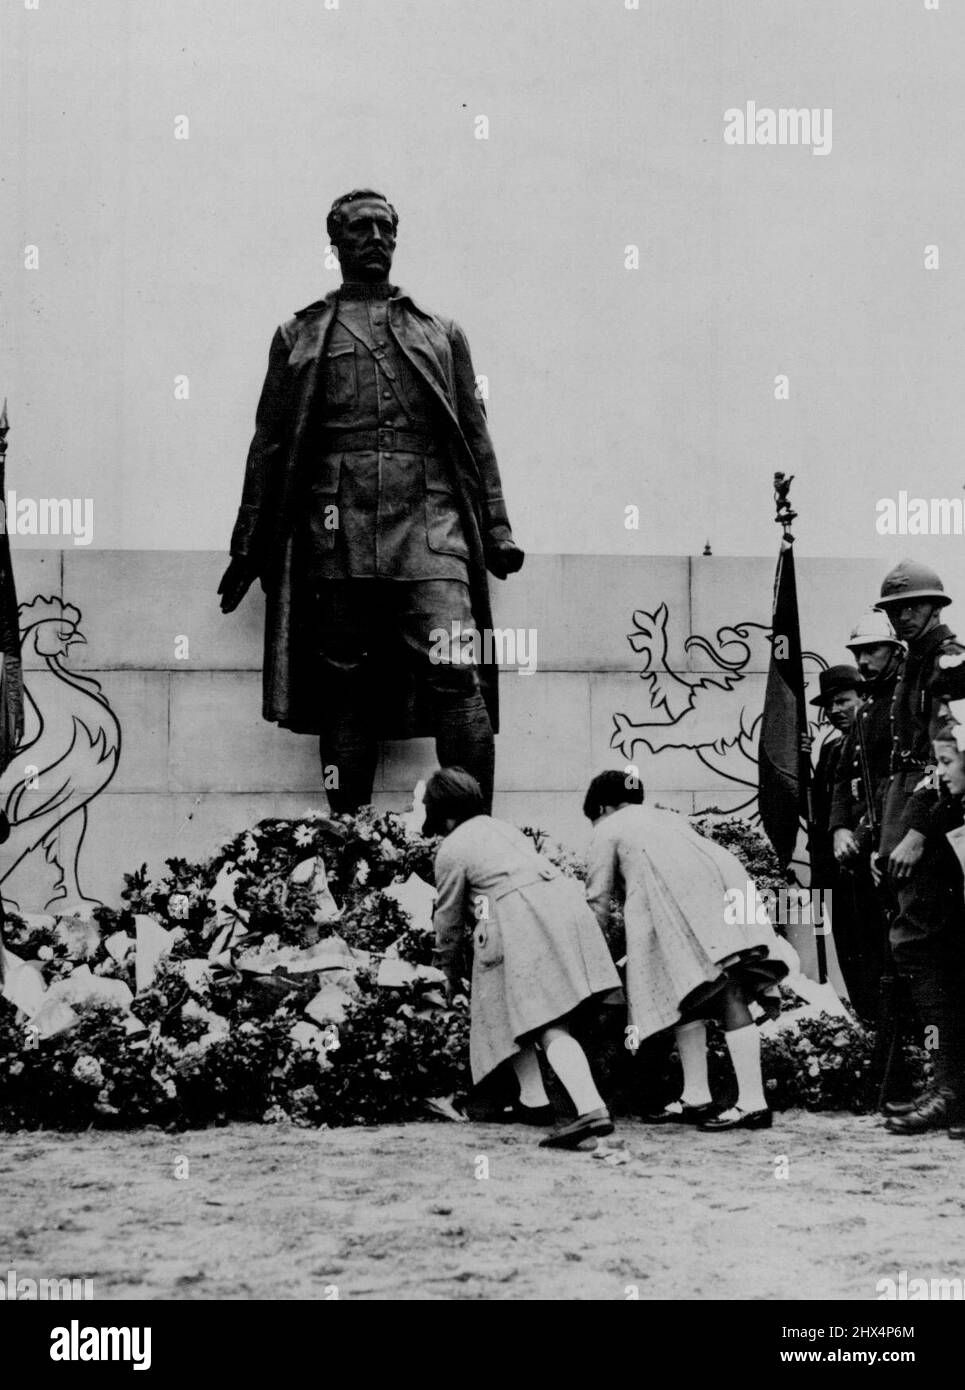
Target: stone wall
x=197 y=763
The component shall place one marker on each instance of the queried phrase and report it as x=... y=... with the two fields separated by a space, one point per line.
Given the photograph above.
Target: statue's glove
x=504 y=558
x=235 y=582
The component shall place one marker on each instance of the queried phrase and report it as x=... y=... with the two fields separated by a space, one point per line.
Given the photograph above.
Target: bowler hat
x=834 y=680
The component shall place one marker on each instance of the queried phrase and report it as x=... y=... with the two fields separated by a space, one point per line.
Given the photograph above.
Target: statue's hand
x=235 y=582
x=503 y=558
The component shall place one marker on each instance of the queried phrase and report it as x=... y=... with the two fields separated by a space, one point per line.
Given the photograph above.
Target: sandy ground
x=407 y=1212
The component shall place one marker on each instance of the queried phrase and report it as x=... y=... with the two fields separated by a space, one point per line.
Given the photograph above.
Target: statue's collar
x=330 y=301
x=356 y=292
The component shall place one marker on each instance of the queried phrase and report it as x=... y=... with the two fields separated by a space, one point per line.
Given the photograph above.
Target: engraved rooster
x=69 y=752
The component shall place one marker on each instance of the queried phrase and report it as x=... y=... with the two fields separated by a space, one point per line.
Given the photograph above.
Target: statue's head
x=361 y=226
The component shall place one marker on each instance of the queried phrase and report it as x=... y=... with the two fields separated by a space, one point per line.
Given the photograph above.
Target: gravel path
x=478 y=1211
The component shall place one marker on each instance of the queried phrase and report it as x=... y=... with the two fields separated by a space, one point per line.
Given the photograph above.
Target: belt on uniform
x=384 y=440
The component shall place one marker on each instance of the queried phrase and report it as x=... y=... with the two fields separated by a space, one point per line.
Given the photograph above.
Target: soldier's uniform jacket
x=849 y=806
x=287 y=459
x=908 y=805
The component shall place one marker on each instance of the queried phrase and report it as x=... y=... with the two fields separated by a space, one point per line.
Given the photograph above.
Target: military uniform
x=907 y=805
x=866 y=960
x=372 y=509
x=849 y=803
x=379 y=461
x=927 y=931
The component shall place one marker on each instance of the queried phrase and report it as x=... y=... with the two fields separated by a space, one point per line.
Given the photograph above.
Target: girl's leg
x=692 y=1046
x=532 y=1092
x=568 y=1060
x=744 y=1045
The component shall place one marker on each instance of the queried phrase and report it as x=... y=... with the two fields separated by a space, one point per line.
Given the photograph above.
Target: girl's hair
x=451 y=794
x=611 y=789
x=943 y=731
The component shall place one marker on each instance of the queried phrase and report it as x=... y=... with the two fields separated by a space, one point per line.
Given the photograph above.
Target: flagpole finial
x=785 y=512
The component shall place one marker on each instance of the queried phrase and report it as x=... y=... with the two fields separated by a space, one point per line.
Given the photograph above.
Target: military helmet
x=912 y=582
x=872 y=629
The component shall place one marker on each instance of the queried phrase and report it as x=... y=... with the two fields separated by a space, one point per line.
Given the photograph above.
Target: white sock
x=532 y=1092
x=568 y=1060
x=692 y=1046
x=744 y=1046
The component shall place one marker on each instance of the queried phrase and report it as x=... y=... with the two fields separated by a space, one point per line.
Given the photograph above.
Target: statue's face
x=366 y=241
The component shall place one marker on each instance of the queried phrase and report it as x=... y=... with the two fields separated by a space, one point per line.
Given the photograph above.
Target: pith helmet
x=872 y=630
x=911 y=582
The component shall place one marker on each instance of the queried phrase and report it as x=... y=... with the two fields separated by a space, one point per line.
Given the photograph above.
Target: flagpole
x=785 y=516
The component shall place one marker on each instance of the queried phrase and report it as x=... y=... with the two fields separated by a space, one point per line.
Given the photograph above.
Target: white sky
x=609 y=386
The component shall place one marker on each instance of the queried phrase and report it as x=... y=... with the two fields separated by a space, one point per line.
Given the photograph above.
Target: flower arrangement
x=289 y=978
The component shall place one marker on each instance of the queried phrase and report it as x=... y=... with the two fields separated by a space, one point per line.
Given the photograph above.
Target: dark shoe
x=930 y=1112
x=592 y=1125
x=905 y=1107
x=957 y=1130
x=679 y=1113
x=735 y=1118
x=519 y=1114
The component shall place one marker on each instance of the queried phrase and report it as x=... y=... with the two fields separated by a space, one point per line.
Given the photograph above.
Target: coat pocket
x=340 y=376
x=324 y=517
x=487 y=943
x=444 y=531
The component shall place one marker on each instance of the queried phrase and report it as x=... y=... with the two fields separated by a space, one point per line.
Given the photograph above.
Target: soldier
x=911 y=850
x=862 y=776
x=372 y=510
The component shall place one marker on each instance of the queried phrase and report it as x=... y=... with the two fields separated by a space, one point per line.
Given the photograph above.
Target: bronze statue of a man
x=371 y=511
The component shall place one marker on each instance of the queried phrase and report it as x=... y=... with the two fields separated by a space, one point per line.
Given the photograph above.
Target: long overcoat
x=537 y=952
x=675 y=886
x=273 y=498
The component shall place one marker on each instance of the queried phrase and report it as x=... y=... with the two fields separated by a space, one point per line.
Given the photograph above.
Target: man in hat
x=924 y=882
x=371 y=512
x=839 y=698
x=856 y=804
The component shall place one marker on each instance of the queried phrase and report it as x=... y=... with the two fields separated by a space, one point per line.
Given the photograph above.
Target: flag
x=783 y=769
x=11 y=670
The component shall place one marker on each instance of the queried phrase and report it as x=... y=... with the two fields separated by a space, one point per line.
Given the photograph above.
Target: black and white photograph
x=482 y=713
